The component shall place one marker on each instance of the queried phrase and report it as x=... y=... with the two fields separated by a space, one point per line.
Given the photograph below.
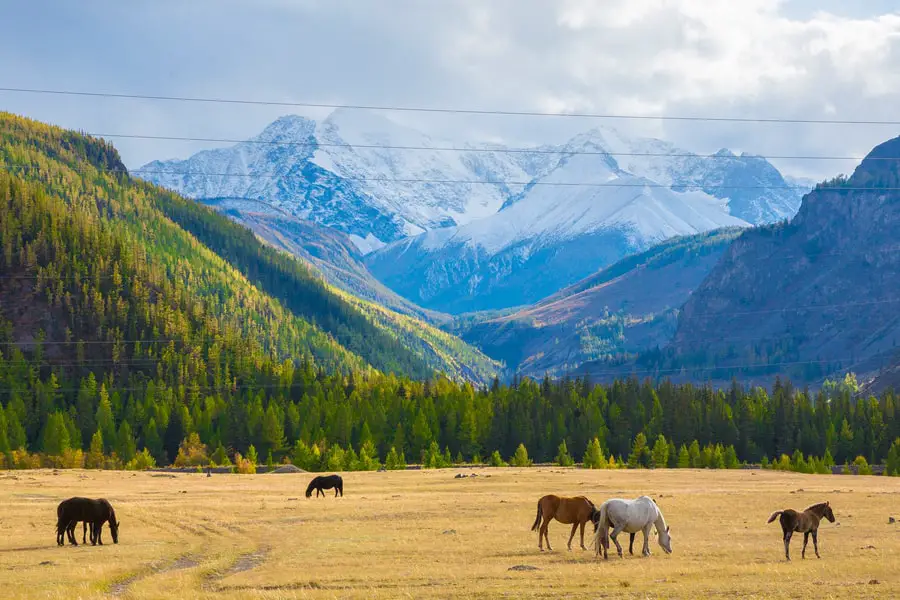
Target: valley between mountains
x=605 y=254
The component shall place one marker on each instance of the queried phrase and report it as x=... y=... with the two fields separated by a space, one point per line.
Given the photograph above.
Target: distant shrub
x=520 y=459
x=496 y=460
x=862 y=466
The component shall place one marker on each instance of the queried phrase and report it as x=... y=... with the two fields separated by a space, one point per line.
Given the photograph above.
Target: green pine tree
x=497 y=460
x=334 y=458
x=640 y=455
x=659 y=456
x=220 y=457
x=351 y=460
x=695 y=456
x=5 y=447
x=106 y=424
x=126 y=447
x=563 y=458
x=684 y=458
x=56 y=435
x=892 y=466
x=95 y=458
x=395 y=461
x=302 y=456
x=252 y=457
x=520 y=459
x=593 y=456
x=730 y=458
x=673 y=455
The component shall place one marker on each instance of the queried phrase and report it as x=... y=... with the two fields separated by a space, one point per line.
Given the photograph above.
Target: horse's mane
x=819 y=505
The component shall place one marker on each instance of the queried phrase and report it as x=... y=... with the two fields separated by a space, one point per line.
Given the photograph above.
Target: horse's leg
x=631 y=543
x=787 y=543
x=615 y=534
x=84 y=526
x=70 y=532
x=815 y=536
x=99 y=530
x=805 y=541
x=645 y=551
x=545 y=526
x=572 y=536
x=582 y=534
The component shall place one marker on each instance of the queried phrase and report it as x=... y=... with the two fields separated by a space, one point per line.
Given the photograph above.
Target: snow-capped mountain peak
x=377 y=180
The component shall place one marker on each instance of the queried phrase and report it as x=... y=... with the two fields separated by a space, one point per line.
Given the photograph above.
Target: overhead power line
x=591 y=184
x=426 y=109
x=479 y=149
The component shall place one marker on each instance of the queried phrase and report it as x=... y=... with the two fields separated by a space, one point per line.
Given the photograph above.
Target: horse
x=326 y=482
x=631 y=516
x=577 y=511
x=67 y=518
x=806 y=522
x=93 y=512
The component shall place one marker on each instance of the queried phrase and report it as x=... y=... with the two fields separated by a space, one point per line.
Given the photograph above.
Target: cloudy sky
x=831 y=59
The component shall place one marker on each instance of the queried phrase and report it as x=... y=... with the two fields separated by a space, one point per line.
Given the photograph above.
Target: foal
x=806 y=522
x=577 y=511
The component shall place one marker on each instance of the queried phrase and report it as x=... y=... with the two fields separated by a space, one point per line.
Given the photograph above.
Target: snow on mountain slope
x=377 y=181
x=358 y=172
x=553 y=235
x=753 y=188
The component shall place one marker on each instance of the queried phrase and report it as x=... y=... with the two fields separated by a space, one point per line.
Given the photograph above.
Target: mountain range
x=463 y=227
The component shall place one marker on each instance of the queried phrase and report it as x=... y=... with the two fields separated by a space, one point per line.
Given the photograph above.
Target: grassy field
x=426 y=534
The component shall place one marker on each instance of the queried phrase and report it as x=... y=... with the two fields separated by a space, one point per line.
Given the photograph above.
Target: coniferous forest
x=140 y=328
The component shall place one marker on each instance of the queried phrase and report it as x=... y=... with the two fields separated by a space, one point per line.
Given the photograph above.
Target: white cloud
x=753 y=58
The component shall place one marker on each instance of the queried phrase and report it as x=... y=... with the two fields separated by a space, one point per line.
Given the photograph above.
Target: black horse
x=92 y=512
x=326 y=482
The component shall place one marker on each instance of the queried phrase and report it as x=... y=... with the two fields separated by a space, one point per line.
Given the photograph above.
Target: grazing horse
x=92 y=512
x=326 y=482
x=631 y=516
x=806 y=522
x=577 y=511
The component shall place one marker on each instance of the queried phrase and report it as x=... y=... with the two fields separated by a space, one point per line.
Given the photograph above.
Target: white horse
x=630 y=516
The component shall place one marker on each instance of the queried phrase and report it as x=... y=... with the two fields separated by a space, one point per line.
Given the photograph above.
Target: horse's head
x=665 y=540
x=114 y=529
x=829 y=514
x=310 y=488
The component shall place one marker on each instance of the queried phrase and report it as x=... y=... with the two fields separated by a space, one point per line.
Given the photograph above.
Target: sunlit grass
x=426 y=534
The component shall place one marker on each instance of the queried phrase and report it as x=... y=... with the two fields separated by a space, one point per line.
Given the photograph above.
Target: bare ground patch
x=187 y=561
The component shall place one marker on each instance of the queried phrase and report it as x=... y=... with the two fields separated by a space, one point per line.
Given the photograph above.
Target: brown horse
x=806 y=522
x=577 y=511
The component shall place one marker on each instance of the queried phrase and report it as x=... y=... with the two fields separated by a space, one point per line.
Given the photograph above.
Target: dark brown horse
x=806 y=522
x=326 y=482
x=93 y=512
x=577 y=511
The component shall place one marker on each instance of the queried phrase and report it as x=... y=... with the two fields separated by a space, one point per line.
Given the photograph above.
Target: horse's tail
x=774 y=516
x=602 y=528
x=537 y=520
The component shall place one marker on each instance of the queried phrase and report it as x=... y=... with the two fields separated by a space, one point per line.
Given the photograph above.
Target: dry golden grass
x=256 y=536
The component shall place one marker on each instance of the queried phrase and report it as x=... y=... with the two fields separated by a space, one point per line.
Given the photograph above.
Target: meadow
x=427 y=534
